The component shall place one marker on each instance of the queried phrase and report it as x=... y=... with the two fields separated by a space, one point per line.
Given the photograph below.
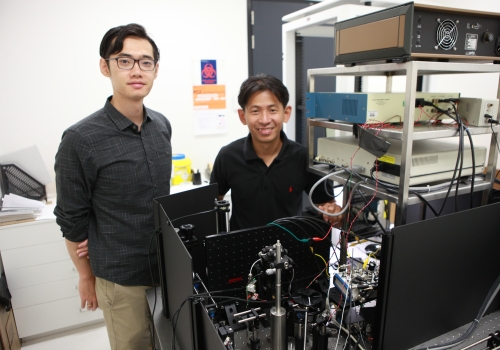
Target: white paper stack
x=15 y=208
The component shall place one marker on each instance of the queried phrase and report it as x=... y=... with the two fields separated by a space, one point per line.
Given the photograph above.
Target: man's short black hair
x=259 y=83
x=112 y=42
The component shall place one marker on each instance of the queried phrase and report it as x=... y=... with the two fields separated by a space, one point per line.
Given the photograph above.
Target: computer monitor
x=435 y=275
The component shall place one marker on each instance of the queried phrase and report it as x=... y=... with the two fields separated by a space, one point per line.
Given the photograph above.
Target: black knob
x=187 y=231
x=487 y=37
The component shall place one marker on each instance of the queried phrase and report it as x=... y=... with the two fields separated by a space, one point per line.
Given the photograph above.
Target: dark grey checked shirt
x=107 y=174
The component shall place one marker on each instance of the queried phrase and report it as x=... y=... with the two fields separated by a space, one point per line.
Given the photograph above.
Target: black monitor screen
x=435 y=275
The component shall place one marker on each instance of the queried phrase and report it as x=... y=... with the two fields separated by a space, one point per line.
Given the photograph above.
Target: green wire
x=303 y=240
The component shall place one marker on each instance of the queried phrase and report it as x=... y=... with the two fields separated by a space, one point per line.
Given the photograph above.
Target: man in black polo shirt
x=265 y=171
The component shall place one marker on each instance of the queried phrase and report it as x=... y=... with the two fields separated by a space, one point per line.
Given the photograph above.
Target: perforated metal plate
x=230 y=255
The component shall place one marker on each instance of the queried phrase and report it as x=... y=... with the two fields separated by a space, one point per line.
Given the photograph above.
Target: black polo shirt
x=262 y=194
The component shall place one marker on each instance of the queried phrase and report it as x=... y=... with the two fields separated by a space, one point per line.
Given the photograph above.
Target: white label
x=471 y=41
x=389 y=176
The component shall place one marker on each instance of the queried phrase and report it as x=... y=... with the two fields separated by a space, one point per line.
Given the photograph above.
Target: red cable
x=317 y=239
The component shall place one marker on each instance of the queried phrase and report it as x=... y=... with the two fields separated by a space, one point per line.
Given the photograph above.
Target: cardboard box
x=8 y=330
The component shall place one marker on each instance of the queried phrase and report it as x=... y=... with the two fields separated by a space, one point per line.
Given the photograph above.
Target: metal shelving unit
x=408 y=132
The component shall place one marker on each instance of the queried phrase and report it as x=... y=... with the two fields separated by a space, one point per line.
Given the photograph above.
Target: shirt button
x=265 y=188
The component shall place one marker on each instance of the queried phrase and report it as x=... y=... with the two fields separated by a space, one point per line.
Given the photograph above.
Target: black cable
x=310 y=218
x=326 y=189
x=311 y=221
x=486 y=303
x=461 y=151
x=337 y=168
x=394 y=190
x=291 y=221
x=305 y=220
x=473 y=156
x=209 y=293
x=466 y=129
x=355 y=235
x=473 y=166
x=314 y=222
x=371 y=211
x=496 y=140
x=186 y=216
x=175 y=320
x=334 y=251
x=428 y=205
x=175 y=317
x=244 y=300
x=456 y=164
x=462 y=127
x=389 y=189
x=155 y=232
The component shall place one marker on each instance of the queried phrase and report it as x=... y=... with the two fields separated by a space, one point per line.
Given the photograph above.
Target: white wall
x=51 y=79
x=476 y=5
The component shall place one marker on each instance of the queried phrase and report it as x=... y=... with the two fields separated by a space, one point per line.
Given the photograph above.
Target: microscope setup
x=277 y=307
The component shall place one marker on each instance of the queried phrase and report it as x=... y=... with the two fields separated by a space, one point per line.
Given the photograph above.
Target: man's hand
x=333 y=208
x=83 y=249
x=86 y=281
x=88 y=298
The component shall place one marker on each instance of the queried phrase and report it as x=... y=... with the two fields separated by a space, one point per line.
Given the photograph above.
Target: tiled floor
x=92 y=337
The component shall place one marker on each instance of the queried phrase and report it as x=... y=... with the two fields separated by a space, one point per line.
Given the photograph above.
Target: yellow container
x=181 y=169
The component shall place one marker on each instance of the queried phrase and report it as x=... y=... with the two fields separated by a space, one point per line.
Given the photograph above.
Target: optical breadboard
x=431 y=160
x=416 y=31
x=370 y=108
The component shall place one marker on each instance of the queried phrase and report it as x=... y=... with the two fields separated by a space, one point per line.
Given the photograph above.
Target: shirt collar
x=119 y=119
x=249 y=151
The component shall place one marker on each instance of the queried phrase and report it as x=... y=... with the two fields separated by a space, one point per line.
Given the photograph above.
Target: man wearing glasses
x=109 y=167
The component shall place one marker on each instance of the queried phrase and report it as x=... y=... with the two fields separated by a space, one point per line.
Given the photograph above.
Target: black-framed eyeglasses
x=128 y=63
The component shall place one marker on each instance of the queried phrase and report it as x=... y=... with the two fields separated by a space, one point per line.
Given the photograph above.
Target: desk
x=42 y=278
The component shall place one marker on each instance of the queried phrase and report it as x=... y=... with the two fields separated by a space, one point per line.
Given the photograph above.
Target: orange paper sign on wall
x=209 y=96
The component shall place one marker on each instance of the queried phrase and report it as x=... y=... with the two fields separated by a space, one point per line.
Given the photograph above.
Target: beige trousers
x=126 y=314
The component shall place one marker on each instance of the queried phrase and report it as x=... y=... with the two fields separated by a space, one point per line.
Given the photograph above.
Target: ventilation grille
x=350 y=107
x=424 y=160
x=447 y=34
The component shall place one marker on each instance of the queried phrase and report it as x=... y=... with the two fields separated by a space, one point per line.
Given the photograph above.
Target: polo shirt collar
x=249 y=151
x=119 y=119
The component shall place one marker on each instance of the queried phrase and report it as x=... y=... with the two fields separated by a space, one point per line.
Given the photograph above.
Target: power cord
x=491 y=120
x=486 y=303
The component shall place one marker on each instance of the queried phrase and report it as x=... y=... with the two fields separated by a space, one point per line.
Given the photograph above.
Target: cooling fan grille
x=447 y=34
